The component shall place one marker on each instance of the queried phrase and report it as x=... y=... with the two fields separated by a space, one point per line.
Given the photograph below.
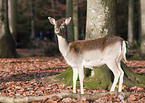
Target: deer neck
x=63 y=45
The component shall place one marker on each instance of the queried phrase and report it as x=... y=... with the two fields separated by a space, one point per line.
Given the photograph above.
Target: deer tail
x=124 y=49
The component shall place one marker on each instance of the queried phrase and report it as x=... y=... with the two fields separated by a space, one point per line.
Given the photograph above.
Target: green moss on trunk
x=103 y=78
x=66 y=77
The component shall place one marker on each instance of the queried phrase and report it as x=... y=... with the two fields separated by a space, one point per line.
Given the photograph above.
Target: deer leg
x=121 y=77
x=75 y=77
x=114 y=68
x=81 y=78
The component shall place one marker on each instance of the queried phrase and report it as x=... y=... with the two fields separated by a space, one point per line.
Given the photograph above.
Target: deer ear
x=52 y=21
x=67 y=21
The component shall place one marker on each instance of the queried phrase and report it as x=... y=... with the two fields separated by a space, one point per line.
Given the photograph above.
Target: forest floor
x=31 y=77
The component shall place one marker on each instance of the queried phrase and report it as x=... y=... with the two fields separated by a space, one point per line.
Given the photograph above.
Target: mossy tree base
x=7 y=46
x=103 y=78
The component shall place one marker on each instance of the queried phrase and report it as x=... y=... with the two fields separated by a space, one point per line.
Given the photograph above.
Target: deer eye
x=62 y=26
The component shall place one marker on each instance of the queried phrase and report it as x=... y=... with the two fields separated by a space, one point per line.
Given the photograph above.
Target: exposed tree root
x=61 y=95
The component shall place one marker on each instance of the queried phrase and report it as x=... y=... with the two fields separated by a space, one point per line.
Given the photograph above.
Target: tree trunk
x=102 y=23
x=33 y=19
x=69 y=13
x=101 y=18
x=130 y=22
x=7 y=44
x=12 y=4
x=52 y=7
x=75 y=19
x=142 y=47
x=72 y=28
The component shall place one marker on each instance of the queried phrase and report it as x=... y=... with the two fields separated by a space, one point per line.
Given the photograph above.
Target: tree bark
x=7 y=44
x=142 y=47
x=72 y=28
x=53 y=8
x=12 y=4
x=101 y=18
x=75 y=19
x=33 y=19
x=130 y=22
x=69 y=13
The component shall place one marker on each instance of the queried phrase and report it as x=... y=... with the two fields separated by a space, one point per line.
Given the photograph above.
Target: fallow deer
x=107 y=50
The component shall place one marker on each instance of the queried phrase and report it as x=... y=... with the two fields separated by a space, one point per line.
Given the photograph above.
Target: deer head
x=59 y=26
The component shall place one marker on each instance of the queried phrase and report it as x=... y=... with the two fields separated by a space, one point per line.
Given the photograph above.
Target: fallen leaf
x=67 y=100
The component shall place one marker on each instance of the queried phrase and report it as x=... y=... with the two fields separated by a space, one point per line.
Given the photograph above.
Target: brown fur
x=84 y=45
x=60 y=22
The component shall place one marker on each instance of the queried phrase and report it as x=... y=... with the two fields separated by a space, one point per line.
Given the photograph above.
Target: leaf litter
x=21 y=77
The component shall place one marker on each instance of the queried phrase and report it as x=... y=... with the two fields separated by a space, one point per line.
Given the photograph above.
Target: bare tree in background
x=142 y=47
x=33 y=19
x=12 y=4
x=69 y=13
x=7 y=44
x=73 y=27
x=75 y=19
x=130 y=22
x=53 y=8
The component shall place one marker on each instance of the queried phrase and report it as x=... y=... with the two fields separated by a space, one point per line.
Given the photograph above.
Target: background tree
x=33 y=19
x=130 y=22
x=75 y=19
x=7 y=44
x=69 y=13
x=73 y=27
x=142 y=47
x=103 y=77
x=12 y=4
x=53 y=7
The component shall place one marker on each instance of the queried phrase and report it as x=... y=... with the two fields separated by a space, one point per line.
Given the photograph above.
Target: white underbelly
x=95 y=63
